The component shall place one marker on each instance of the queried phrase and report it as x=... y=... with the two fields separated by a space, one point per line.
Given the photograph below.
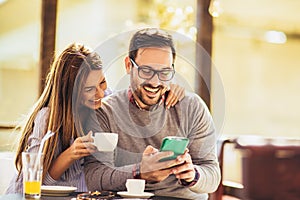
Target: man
x=139 y=117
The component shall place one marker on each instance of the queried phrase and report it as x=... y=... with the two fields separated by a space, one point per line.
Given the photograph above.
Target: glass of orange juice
x=32 y=174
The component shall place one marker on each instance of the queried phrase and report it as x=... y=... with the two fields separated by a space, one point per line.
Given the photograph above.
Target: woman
x=75 y=85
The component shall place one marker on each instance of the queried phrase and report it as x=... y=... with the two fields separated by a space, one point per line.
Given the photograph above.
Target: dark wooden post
x=47 y=40
x=204 y=26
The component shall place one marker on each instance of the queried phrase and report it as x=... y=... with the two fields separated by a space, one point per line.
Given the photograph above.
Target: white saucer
x=49 y=190
x=144 y=195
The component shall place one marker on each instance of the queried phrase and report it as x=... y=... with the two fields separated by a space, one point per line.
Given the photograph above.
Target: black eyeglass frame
x=158 y=72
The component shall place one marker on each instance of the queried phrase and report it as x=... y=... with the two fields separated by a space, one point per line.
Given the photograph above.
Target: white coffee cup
x=105 y=141
x=135 y=186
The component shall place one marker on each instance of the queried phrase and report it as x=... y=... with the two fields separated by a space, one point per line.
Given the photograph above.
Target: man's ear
x=128 y=64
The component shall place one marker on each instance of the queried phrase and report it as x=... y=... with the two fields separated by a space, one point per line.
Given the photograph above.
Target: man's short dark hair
x=150 y=37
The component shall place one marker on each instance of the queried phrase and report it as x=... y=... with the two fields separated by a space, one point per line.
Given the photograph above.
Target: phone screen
x=175 y=144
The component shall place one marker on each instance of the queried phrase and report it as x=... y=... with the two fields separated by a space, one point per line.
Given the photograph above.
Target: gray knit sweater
x=138 y=128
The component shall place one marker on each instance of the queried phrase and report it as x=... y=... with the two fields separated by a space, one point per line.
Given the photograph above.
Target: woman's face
x=93 y=89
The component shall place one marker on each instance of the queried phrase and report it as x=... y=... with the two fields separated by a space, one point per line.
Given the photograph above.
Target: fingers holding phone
x=186 y=170
x=172 y=157
x=175 y=144
x=152 y=169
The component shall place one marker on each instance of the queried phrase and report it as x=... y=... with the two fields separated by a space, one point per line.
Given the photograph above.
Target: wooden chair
x=225 y=191
x=270 y=169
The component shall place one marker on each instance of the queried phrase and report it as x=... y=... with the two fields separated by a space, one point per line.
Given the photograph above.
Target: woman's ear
x=128 y=64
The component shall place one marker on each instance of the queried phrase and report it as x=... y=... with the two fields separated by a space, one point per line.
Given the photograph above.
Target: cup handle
x=93 y=137
x=126 y=184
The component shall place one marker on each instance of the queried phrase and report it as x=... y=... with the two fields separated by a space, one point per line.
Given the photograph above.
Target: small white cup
x=105 y=141
x=135 y=186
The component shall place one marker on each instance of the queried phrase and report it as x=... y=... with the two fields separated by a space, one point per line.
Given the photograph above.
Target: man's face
x=148 y=92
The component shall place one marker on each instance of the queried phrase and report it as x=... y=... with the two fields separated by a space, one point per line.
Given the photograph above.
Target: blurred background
x=255 y=53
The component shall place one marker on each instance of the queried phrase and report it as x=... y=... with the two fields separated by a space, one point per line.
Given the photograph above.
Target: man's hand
x=153 y=170
x=185 y=171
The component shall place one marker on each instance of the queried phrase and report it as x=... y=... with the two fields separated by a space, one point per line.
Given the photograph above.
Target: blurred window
x=255 y=53
x=19 y=53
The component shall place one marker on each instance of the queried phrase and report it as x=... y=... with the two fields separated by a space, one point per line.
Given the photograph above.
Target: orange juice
x=32 y=187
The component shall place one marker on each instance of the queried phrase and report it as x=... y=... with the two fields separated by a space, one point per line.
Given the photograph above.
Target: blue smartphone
x=175 y=144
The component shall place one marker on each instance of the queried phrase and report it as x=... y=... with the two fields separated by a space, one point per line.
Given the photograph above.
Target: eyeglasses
x=147 y=72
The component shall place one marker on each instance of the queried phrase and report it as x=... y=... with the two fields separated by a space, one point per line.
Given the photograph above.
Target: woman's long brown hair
x=67 y=74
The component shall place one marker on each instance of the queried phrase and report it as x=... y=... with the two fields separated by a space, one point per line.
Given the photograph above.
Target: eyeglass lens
x=146 y=72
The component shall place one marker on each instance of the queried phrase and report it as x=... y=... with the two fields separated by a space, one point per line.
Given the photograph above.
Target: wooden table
x=73 y=197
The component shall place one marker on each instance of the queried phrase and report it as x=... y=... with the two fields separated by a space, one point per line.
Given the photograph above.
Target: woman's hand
x=176 y=94
x=82 y=146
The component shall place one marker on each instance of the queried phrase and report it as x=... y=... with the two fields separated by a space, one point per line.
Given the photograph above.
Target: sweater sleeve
x=100 y=174
x=100 y=171
x=203 y=147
